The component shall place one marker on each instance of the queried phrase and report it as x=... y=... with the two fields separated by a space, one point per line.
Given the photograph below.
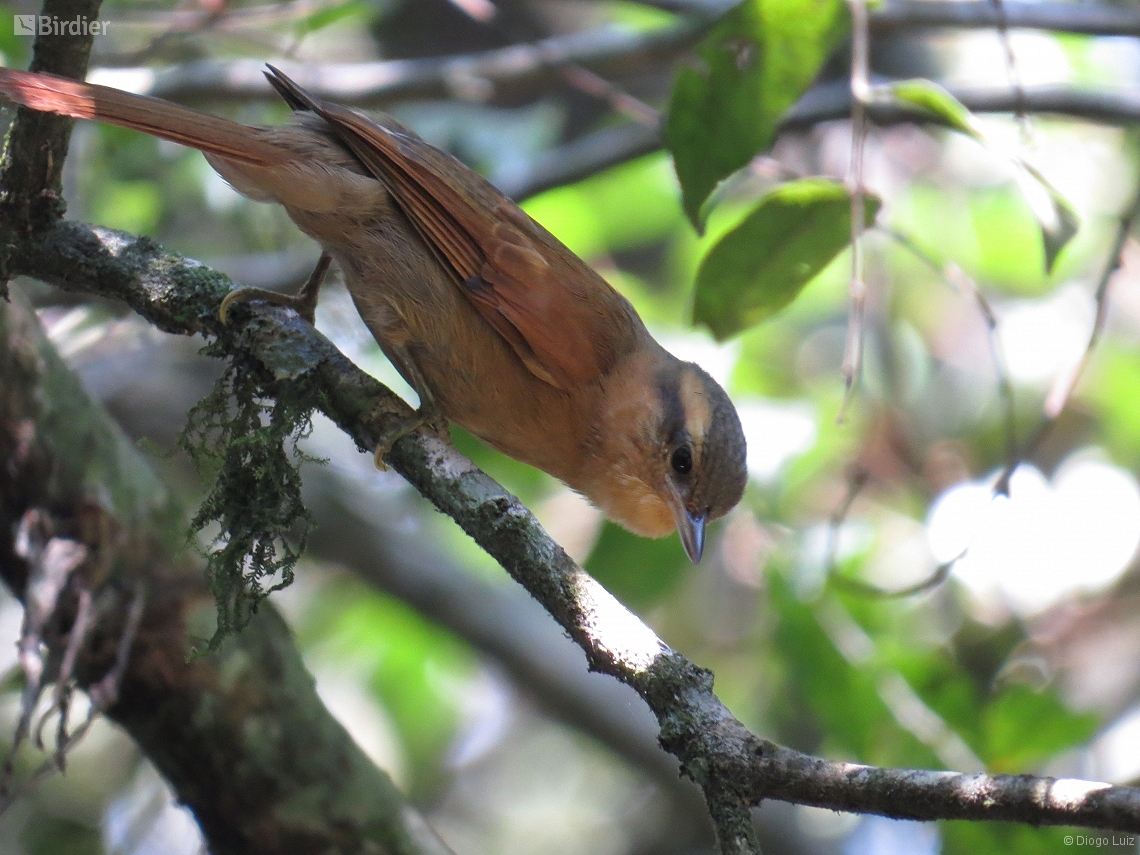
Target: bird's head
x=673 y=451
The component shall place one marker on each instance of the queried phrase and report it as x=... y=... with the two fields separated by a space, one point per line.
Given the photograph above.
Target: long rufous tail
x=212 y=135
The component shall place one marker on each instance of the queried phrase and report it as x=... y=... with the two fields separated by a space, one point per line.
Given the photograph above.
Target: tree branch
x=38 y=143
x=590 y=154
x=477 y=76
x=610 y=147
x=735 y=768
x=608 y=51
x=473 y=76
x=241 y=736
x=573 y=161
x=502 y=622
x=535 y=652
x=1093 y=19
x=832 y=101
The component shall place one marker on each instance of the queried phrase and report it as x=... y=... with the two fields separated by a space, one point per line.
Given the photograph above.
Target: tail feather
x=210 y=134
x=297 y=98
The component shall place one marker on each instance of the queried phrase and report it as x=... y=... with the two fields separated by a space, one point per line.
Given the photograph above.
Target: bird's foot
x=304 y=303
x=428 y=417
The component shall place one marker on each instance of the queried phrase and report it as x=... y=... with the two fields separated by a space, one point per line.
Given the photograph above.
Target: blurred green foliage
x=1114 y=392
x=14 y=49
x=629 y=206
x=355 y=12
x=640 y=573
x=61 y=836
x=417 y=670
x=805 y=662
x=964 y=838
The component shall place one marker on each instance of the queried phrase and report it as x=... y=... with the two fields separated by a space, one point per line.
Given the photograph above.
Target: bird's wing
x=563 y=320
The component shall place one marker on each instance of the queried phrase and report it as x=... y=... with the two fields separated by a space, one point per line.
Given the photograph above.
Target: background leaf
x=929 y=97
x=758 y=60
x=1055 y=216
x=761 y=265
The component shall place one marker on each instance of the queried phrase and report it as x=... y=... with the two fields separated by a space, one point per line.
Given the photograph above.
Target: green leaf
x=929 y=97
x=1056 y=217
x=758 y=59
x=760 y=266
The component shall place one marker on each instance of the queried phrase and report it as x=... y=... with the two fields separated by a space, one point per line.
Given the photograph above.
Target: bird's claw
x=304 y=303
x=431 y=419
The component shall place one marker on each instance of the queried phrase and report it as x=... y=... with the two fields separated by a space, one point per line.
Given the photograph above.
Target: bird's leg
x=429 y=414
x=304 y=303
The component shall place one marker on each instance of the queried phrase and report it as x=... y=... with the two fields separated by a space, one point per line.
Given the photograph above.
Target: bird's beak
x=691 y=527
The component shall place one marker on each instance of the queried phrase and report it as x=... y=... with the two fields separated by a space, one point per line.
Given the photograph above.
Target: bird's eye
x=682 y=460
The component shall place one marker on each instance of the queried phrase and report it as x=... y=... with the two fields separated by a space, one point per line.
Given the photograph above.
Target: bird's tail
x=212 y=135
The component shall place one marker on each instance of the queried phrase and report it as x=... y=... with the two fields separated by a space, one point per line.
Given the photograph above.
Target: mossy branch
x=241 y=736
x=735 y=768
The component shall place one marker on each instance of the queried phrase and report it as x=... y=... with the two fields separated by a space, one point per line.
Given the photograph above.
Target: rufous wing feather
x=563 y=320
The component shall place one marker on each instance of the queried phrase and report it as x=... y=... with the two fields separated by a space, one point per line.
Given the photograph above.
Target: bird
x=495 y=324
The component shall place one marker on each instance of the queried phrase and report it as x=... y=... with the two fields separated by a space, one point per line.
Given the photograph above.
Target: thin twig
x=61 y=697
x=857 y=290
x=827 y=102
x=1012 y=71
x=866 y=589
x=106 y=692
x=102 y=695
x=51 y=563
x=857 y=478
x=1063 y=388
x=967 y=286
x=621 y=101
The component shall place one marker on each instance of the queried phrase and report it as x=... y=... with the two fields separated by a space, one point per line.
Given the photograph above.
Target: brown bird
x=495 y=324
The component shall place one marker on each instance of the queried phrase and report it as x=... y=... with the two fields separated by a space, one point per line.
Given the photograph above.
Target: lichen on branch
x=244 y=435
